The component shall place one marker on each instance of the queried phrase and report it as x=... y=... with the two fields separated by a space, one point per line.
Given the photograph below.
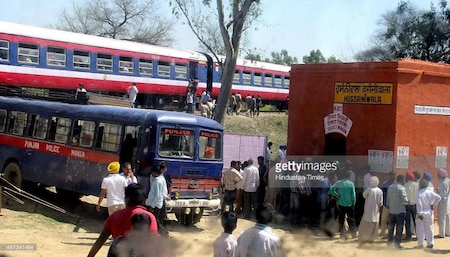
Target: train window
x=81 y=59
x=278 y=81
x=126 y=64
x=104 y=62
x=17 y=122
x=4 y=50
x=237 y=77
x=163 y=69
x=108 y=137
x=56 y=56
x=180 y=71
x=210 y=145
x=268 y=80
x=246 y=77
x=146 y=67
x=176 y=143
x=287 y=81
x=257 y=79
x=28 y=53
x=2 y=120
x=40 y=127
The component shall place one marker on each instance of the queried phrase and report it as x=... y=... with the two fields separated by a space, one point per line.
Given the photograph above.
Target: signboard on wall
x=380 y=160
x=402 y=157
x=441 y=157
x=431 y=110
x=337 y=123
x=363 y=93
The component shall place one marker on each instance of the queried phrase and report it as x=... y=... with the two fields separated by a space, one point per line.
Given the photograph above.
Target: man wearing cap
x=427 y=177
x=411 y=188
x=113 y=187
x=443 y=207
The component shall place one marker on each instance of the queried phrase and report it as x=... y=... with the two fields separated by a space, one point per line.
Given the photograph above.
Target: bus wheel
x=13 y=174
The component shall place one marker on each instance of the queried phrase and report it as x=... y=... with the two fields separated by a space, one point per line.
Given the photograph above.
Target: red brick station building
x=394 y=114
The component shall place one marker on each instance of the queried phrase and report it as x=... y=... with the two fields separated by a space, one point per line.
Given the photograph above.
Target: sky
x=339 y=28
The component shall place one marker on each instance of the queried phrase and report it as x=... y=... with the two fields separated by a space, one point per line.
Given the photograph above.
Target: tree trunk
x=225 y=89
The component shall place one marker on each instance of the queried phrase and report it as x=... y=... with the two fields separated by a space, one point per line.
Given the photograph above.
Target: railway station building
x=394 y=114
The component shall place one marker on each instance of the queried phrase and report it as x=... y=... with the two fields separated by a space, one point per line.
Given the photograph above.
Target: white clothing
x=268 y=154
x=115 y=189
x=190 y=98
x=425 y=228
x=281 y=156
x=225 y=245
x=132 y=93
x=258 y=241
x=130 y=180
x=373 y=201
x=411 y=188
x=250 y=178
x=443 y=207
x=367 y=177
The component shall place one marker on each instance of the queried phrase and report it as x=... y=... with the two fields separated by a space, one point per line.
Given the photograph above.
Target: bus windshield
x=178 y=143
x=210 y=145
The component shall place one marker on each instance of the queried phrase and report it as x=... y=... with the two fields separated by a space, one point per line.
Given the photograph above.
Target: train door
x=193 y=70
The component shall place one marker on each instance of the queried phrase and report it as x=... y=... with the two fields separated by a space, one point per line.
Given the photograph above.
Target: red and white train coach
x=59 y=60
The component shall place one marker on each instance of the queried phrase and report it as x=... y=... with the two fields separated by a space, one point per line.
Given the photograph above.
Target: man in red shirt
x=119 y=223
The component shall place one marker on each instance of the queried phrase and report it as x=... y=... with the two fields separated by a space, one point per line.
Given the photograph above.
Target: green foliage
x=283 y=58
x=333 y=59
x=315 y=56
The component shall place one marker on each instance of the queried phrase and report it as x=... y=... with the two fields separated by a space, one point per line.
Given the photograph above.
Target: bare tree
x=241 y=15
x=134 y=20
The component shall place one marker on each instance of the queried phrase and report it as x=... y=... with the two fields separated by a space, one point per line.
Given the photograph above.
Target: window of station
x=83 y=133
x=237 y=77
x=81 y=59
x=257 y=79
x=2 y=120
x=108 y=136
x=56 y=56
x=104 y=62
x=126 y=64
x=180 y=71
x=4 y=50
x=163 y=69
x=268 y=80
x=28 y=53
x=278 y=81
x=246 y=77
x=146 y=67
x=17 y=122
x=210 y=143
x=176 y=143
x=287 y=82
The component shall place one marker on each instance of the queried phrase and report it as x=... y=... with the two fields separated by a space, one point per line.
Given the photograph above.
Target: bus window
x=180 y=71
x=104 y=62
x=145 y=67
x=83 y=133
x=176 y=143
x=125 y=64
x=210 y=144
x=163 y=69
x=28 y=53
x=40 y=127
x=17 y=122
x=4 y=50
x=62 y=129
x=108 y=137
x=56 y=56
x=2 y=120
x=81 y=59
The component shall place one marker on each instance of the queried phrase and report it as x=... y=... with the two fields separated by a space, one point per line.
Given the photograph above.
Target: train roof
x=94 y=112
x=90 y=40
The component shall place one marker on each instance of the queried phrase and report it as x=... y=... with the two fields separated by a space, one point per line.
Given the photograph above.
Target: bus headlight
x=210 y=196
x=187 y=211
x=197 y=210
x=176 y=196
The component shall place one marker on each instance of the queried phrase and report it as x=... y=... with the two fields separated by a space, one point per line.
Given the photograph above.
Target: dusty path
x=56 y=234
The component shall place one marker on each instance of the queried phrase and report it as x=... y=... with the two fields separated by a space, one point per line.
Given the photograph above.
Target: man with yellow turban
x=113 y=187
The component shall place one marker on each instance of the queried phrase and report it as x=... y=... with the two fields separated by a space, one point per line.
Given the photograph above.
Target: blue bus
x=69 y=146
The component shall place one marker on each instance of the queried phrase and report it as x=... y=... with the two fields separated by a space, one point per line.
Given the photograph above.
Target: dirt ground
x=51 y=233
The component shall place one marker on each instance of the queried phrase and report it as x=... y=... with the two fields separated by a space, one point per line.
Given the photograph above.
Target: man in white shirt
x=127 y=172
x=411 y=188
x=443 y=207
x=259 y=240
x=281 y=154
x=113 y=187
x=225 y=245
x=251 y=183
x=268 y=154
x=132 y=94
x=230 y=178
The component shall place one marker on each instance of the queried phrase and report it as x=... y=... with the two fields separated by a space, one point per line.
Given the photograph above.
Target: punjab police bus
x=69 y=146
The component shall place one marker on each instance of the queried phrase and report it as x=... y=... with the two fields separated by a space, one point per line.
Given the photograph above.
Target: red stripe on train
x=58 y=149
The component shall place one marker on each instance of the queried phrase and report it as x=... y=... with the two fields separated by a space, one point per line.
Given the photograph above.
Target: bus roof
x=109 y=113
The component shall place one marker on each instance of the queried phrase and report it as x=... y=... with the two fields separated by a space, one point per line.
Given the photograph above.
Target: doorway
x=335 y=144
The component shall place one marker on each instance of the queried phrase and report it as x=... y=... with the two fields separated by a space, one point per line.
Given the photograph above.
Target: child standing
x=225 y=245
